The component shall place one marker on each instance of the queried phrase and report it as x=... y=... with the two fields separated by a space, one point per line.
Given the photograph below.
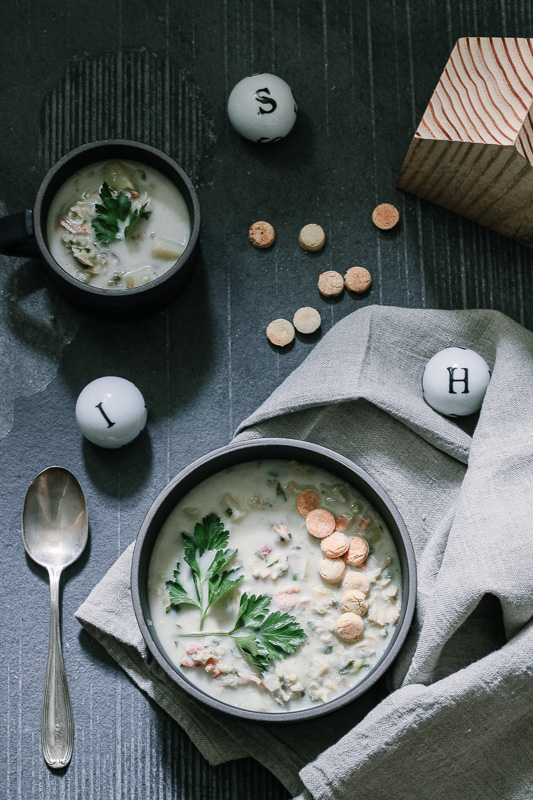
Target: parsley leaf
x=116 y=203
x=252 y=611
x=253 y=650
x=113 y=209
x=265 y=637
x=178 y=595
x=135 y=216
x=189 y=557
x=260 y=636
x=220 y=585
x=220 y=561
x=209 y=536
x=281 y=634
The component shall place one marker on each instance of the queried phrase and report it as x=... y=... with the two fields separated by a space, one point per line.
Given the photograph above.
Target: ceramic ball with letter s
x=455 y=381
x=262 y=108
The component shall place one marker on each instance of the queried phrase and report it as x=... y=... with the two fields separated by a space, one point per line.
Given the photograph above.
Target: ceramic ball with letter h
x=455 y=381
x=262 y=108
x=111 y=412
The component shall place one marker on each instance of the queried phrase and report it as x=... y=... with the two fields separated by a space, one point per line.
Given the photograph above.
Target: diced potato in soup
x=118 y=225
x=347 y=622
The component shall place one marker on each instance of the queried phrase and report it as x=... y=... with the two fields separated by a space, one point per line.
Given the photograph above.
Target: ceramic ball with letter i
x=111 y=412
x=455 y=381
x=262 y=108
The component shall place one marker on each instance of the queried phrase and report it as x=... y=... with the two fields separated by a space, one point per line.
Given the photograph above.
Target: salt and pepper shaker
x=262 y=108
x=111 y=412
x=455 y=381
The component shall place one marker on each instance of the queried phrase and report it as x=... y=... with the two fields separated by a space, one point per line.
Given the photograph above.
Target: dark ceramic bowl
x=24 y=234
x=252 y=451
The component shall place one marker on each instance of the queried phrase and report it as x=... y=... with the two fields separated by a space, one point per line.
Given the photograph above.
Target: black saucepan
x=254 y=450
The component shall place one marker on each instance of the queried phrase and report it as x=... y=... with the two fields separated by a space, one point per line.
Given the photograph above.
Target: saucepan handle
x=17 y=235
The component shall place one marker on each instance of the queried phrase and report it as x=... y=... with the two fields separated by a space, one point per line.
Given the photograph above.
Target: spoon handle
x=57 y=729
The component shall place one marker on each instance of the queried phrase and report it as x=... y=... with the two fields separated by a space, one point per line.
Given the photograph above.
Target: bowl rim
x=102 y=145
x=409 y=582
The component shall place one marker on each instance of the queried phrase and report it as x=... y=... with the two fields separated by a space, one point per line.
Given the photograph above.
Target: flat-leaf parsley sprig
x=114 y=209
x=213 y=583
x=261 y=637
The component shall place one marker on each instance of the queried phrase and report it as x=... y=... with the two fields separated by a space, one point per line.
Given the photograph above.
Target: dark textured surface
x=362 y=73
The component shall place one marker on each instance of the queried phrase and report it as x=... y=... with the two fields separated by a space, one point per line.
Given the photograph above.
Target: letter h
x=453 y=380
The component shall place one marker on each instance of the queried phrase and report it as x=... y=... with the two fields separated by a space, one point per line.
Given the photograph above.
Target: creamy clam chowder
x=118 y=224
x=311 y=551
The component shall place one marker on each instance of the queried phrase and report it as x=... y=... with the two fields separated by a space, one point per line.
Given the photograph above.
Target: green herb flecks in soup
x=245 y=605
x=260 y=636
x=118 y=225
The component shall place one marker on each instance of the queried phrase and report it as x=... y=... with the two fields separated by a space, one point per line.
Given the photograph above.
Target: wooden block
x=473 y=150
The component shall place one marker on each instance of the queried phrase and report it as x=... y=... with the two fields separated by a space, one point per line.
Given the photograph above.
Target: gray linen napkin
x=458 y=720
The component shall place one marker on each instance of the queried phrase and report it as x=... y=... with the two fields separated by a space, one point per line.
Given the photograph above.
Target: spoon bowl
x=54 y=526
x=54 y=533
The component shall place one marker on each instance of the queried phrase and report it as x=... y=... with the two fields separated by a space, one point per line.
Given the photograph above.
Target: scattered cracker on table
x=357 y=279
x=330 y=283
x=307 y=320
x=385 y=216
x=312 y=237
x=280 y=332
x=262 y=234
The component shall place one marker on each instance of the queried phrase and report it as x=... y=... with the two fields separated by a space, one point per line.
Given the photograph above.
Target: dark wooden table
x=362 y=73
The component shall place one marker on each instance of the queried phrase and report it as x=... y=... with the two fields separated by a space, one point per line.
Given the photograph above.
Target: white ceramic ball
x=262 y=108
x=111 y=412
x=455 y=381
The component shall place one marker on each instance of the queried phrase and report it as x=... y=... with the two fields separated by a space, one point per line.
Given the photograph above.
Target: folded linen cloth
x=458 y=719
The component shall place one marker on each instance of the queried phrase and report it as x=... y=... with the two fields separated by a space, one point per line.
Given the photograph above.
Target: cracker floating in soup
x=240 y=598
x=118 y=224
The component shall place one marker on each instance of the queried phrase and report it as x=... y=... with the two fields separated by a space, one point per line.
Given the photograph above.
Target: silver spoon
x=54 y=532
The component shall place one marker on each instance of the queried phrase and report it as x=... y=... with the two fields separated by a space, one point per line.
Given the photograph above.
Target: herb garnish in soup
x=259 y=635
x=274 y=586
x=118 y=224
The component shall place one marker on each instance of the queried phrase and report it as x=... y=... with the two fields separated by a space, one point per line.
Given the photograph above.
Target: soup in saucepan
x=118 y=224
x=274 y=586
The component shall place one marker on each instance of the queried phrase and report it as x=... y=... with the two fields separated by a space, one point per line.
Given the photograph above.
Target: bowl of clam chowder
x=274 y=580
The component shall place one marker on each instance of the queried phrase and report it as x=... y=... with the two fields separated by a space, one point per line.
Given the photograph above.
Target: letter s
x=266 y=101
